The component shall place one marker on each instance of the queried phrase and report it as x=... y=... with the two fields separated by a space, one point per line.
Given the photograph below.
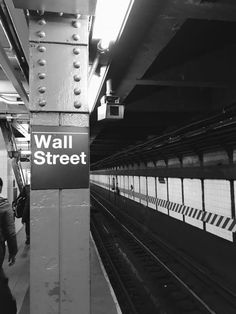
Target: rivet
x=77 y=78
x=77 y=91
x=41 y=34
x=42 y=62
x=75 y=37
x=40 y=12
x=76 y=24
x=42 y=22
x=42 y=89
x=76 y=65
x=77 y=104
x=60 y=14
x=41 y=48
x=77 y=16
x=42 y=76
x=76 y=51
x=42 y=103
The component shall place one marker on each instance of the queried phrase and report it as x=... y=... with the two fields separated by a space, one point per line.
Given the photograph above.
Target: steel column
x=59 y=262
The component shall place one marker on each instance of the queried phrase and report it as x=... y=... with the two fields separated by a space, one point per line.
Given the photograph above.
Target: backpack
x=18 y=206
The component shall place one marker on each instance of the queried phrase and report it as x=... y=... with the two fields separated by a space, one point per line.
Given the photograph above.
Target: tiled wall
x=217 y=197
x=151 y=190
x=136 y=188
x=218 y=201
x=162 y=193
x=143 y=189
x=210 y=197
x=193 y=198
x=175 y=195
x=131 y=182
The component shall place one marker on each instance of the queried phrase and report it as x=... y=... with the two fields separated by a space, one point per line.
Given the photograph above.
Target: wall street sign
x=60 y=157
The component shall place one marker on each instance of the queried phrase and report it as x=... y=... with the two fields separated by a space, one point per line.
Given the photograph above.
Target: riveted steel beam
x=59 y=270
x=69 y=6
x=61 y=47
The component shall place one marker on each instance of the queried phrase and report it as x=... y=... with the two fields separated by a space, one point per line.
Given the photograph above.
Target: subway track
x=147 y=276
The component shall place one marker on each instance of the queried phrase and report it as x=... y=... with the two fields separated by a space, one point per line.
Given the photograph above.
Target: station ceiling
x=173 y=67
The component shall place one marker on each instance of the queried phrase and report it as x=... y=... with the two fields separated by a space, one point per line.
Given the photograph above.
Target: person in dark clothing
x=24 y=210
x=26 y=214
x=8 y=234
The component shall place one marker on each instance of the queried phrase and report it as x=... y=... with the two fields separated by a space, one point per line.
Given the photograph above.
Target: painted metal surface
x=70 y=6
x=44 y=252
x=74 y=244
x=59 y=218
x=60 y=65
x=59 y=31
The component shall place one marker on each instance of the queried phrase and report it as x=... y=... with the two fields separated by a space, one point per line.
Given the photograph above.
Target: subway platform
x=103 y=299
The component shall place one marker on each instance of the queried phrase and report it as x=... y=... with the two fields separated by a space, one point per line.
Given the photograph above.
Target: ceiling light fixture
x=110 y=16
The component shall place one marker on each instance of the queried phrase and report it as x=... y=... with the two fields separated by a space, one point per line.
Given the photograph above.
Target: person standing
x=21 y=207
x=26 y=214
x=7 y=234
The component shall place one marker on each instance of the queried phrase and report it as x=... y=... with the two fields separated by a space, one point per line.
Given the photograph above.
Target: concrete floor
x=103 y=300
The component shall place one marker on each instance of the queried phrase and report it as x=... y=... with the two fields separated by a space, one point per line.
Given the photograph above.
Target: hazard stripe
x=226 y=222
x=220 y=221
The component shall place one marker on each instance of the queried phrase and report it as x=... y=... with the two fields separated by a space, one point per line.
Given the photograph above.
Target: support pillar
x=59 y=261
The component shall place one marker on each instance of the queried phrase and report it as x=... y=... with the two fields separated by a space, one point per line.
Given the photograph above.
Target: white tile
x=176 y=215
x=143 y=188
x=151 y=190
x=161 y=189
x=136 y=187
x=175 y=190
x=194 y=222
x=217 y=197
x=220 y=232
x=193 y=193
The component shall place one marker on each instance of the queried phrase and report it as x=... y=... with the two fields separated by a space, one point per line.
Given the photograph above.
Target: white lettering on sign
x=46 y=142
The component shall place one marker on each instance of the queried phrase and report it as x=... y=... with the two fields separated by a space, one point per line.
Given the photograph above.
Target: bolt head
x=75 y=37
x=76 y=65
x=42 y=62
x=42 y=76
x=41 y=34
x=42 y=22
x=41 y=48
x=42 y=89
x=42 y=103
x=76 y=24
x=77 y=104
x=76 y=51
x=77 y=91
x=77 y=78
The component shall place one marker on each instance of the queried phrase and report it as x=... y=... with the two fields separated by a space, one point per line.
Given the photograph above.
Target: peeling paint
x=55 y=292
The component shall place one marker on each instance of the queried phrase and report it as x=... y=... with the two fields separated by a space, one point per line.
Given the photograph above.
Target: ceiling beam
x=156 y=40
x=12 y=75
x=19 y=20
x=180 y=83
x=216 y=69
x=197 y=9
x=21 y=129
